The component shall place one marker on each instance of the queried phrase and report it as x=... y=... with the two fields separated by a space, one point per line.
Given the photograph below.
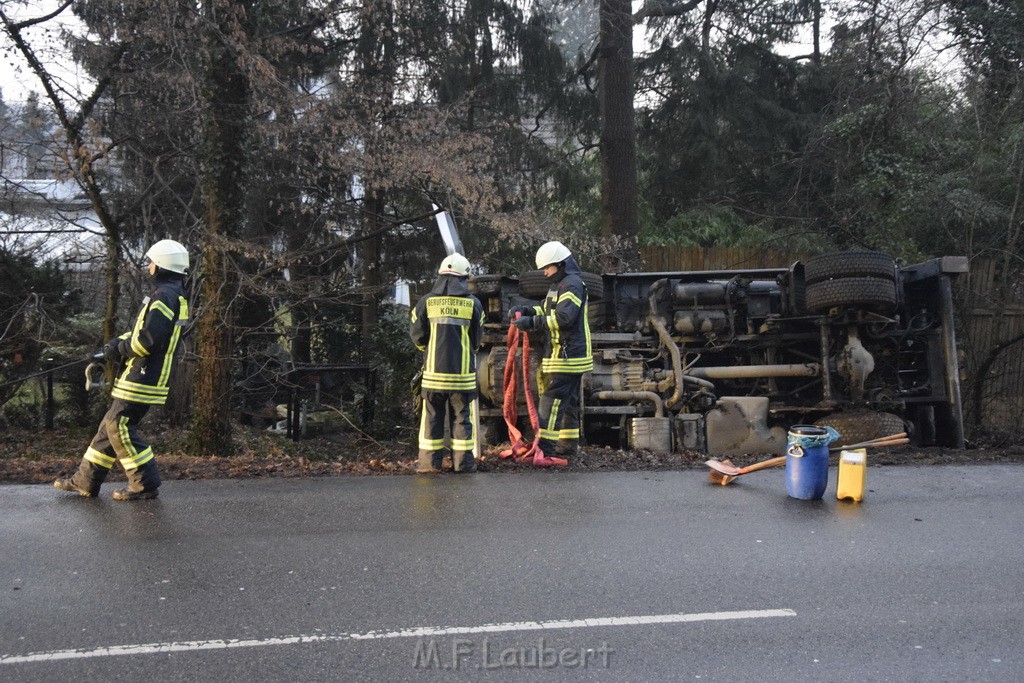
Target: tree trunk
x=618 y=134
x=377 y=82
x=369 y=259
x=224 y=95
x=816 y=32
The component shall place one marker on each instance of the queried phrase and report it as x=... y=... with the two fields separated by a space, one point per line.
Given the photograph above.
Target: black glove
x=112 y=350
x=522 y=310
x=98 y=356
x=524 y=323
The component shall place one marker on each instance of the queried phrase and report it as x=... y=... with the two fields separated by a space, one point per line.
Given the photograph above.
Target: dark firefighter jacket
x=446 y=324
x=564 y=312
x=148 y=350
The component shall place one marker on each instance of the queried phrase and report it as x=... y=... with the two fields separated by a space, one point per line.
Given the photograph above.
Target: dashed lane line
x=416 y=632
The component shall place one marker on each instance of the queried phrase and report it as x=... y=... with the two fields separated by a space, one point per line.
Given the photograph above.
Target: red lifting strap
x=519 y=448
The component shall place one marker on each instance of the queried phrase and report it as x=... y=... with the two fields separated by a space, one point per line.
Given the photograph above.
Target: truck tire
x=855 y=426
x=597 y=314
x=870 y=293
x=595 y=286
x=533 y=285
x=485 y=284
x=849 y=264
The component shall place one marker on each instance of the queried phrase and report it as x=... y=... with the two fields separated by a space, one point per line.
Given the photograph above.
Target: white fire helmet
x=454 y=264
x=169 y=255
x=552 y=252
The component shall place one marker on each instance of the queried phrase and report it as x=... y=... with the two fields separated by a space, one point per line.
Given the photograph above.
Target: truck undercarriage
x=724 y=362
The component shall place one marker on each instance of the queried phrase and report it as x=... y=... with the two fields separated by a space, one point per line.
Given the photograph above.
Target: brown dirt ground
x=41 y=456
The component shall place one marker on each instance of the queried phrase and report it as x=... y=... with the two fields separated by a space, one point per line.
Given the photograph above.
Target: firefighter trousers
x=451 y=410
x=559 y=411
x=118 y=440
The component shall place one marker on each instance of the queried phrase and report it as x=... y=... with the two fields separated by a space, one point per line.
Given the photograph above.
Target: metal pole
x=826 y=375
x=474 y=413
x=949 y=356
x=296 y=415
x=756 y=371
x=49 y=400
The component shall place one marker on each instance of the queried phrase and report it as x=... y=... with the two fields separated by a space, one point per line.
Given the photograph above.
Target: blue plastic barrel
x=807 y=461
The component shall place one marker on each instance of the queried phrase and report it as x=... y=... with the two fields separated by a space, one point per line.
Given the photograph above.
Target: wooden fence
x=991 y=341
x=657 y=259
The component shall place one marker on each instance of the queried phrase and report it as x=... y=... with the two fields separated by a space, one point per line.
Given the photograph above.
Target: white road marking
x=419 y=632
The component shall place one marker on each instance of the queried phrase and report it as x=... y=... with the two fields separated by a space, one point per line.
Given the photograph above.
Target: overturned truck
x=725 y=361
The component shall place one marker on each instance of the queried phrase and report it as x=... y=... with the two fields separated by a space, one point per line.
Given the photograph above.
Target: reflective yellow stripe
x=165 y=376
x=139 y=460
x=139 y=320
x=139 y=397
x=586 y=330
x=144 y=389
x=549 y=431
x=556 y=406
x=571 y=366
x=463 y=444
x=432 y=349
x=569 y=296
x=440 y=381
x=125 y=437
x=97 y=458
x=425 y=442
x=163 y=308
x=138 y=348
x=551 y=322
x=568 y=434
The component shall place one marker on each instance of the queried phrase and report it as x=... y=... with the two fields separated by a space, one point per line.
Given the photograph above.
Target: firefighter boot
x=567 y=448
x=85 y=482
x=544 y=455
x=143 y=483
x=463 y=461
x=430 y=462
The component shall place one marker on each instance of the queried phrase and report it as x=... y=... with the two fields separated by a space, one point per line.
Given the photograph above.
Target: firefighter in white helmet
x=562 y=316
x=446 y=325
x=146 y=356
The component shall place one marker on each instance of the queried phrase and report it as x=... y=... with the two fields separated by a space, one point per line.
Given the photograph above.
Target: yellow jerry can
x=853 y=465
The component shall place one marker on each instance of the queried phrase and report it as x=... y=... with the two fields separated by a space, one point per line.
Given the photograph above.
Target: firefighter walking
x=562 y=316
x=446 y=325
x=147 y=356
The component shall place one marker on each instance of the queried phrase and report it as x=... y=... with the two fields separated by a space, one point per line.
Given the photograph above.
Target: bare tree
x=84 y=154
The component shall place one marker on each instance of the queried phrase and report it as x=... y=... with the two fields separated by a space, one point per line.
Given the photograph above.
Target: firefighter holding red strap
x=562 y=316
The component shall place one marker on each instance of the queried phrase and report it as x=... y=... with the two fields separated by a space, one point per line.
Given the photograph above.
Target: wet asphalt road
x=326 y=579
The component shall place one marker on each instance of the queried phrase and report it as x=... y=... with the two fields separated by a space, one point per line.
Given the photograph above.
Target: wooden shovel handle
x=874 y=444
x=764 y=464
x=890 y=442
x=880 y=441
